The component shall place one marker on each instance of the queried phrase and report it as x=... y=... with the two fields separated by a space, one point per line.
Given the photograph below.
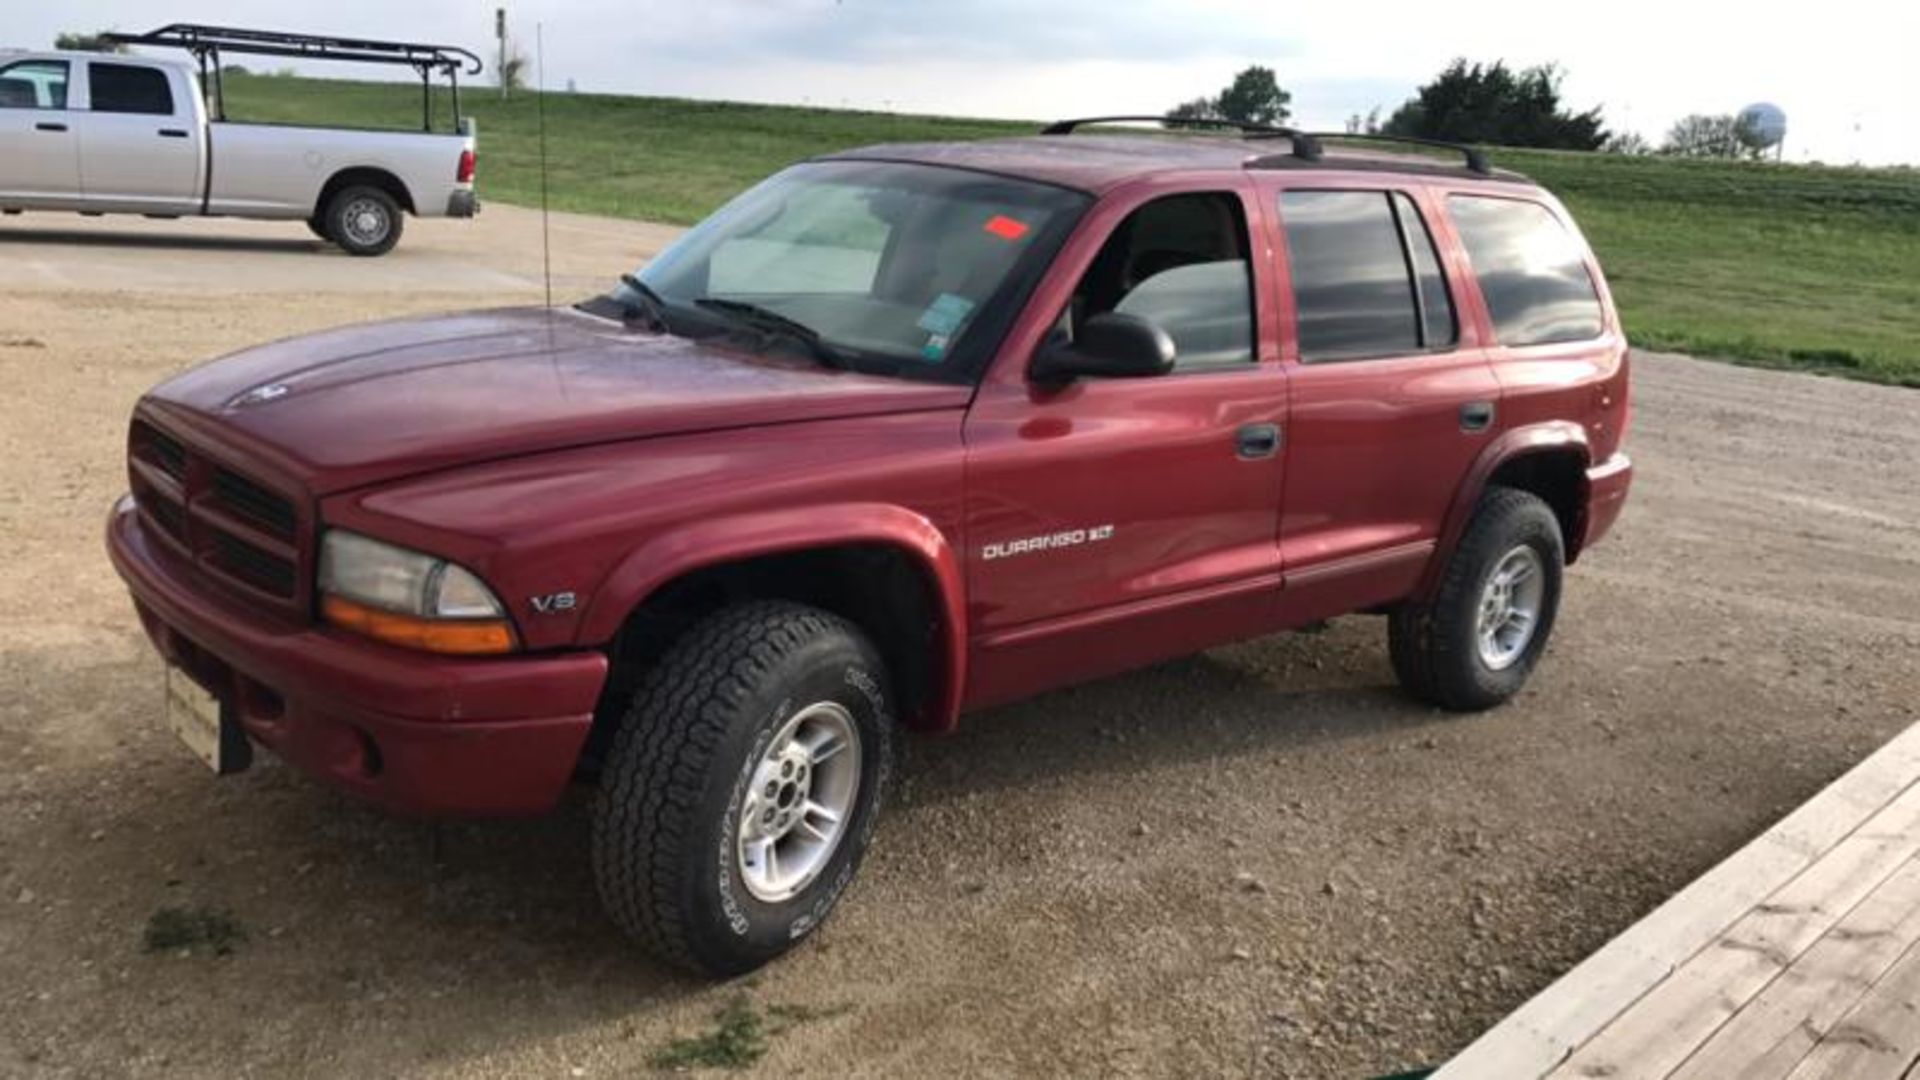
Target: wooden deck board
x=1695 y=966
x=1768 y=1038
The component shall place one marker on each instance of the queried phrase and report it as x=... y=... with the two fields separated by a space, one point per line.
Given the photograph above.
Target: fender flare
x=1545 y=437
x=732 y=538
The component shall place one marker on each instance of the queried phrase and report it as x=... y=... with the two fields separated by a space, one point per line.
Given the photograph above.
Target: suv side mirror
x=1111 y=346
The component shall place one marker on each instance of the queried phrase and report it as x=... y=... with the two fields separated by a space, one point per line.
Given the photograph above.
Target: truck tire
x=363 y=220
x=742 y=785
x=317 y=225
x=1474 y=645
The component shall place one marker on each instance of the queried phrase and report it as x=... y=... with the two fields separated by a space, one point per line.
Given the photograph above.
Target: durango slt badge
x=1030 y=545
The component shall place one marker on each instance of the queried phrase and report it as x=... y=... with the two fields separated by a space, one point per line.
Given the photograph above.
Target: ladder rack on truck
x=207 y=43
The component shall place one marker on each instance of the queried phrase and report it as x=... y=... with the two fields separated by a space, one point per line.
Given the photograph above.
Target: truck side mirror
x=1111 y=346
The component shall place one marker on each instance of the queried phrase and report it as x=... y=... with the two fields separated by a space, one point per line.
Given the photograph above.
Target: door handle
x=172 y=133
x=1476 y=416
x=48 y=125
x=1255 y=441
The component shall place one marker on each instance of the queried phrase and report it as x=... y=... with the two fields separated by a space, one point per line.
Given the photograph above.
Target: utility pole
x=500 y=35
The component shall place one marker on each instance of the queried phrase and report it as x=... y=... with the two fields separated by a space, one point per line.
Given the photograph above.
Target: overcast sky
x=1845 y=71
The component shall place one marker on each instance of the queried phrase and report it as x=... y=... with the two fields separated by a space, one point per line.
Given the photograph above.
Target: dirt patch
x=1262 y=860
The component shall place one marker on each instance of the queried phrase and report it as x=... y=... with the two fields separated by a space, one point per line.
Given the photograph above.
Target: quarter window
x=1366 y=279
x=1179 y=262
x=1532 y=271
x=34 y=84
x=124 y=88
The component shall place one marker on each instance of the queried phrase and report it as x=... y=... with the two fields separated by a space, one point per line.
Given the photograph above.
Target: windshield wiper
x=769 y=321
x=651 y=305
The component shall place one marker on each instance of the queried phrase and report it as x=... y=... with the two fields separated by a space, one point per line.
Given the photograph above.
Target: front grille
x=262 y=569
x=235 y=529
x=254 y=503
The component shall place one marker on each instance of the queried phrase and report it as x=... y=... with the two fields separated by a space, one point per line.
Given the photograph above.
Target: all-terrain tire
x=668 y=853
x=1435 y=646
x=363 y=220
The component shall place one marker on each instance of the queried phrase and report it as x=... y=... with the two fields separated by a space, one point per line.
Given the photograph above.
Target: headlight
x=407 y=598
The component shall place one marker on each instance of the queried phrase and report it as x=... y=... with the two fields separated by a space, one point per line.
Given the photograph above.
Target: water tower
x=1768 y=123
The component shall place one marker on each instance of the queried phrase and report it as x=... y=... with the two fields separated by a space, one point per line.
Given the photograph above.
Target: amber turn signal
x=458 y=637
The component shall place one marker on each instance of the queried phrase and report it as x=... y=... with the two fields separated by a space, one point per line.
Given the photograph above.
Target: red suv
x=898 y=433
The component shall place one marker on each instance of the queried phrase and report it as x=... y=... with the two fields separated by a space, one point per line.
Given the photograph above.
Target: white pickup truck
x=104 y=133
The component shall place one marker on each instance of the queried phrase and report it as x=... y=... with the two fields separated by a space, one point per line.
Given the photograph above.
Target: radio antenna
x=540 y=108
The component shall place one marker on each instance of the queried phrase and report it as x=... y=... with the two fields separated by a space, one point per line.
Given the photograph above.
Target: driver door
x=1113 y=522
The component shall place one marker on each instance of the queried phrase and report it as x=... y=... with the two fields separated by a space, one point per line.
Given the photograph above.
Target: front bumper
x=1607 y=485
x=411 y=732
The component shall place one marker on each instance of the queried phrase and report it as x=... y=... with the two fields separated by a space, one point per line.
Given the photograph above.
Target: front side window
x=914 y=270
x=34 y=84
x=1179 y=262
x=125 y=88
x=1366 y=279
x=1532 y=271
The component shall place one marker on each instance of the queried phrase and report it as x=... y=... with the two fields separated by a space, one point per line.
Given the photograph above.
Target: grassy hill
x=1783 y=265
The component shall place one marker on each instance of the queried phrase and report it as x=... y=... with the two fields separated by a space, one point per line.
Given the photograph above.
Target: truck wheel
x=741 y=788
x=1475 y=644
x=363 y=220
x=317 y=225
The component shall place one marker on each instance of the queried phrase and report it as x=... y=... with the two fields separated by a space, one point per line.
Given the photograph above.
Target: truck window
x=1366 y=280
x=1180 y=262
x=1531 y=270
x=34 y=84
x=124 y=88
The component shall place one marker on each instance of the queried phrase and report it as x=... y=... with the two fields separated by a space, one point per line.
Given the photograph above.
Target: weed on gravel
x=182 y=928
x=739 y=1036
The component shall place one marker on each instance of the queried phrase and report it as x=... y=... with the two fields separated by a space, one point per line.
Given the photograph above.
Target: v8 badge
x=554 y=603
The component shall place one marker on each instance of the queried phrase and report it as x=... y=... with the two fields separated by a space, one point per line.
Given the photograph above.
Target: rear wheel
x=318 y=227
x=741 y=787
x=1475 y=644
x=362 y=220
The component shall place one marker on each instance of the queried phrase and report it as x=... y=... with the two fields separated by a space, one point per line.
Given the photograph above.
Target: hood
x=367 y=403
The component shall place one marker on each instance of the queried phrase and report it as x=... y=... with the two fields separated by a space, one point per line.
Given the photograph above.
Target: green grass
x=1780 y=265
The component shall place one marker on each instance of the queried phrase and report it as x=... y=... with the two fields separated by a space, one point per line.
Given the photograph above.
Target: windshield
x=914 y=270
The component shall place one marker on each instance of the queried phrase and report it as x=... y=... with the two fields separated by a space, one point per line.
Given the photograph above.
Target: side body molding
x=736 y=537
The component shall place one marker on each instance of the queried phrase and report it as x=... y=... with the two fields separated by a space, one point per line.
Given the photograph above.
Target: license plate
x=195 y=716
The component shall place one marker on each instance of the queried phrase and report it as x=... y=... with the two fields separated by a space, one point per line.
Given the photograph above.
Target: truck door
x=140 y=140
x=1394 y=396
x=1113 y=522
x=39 y=155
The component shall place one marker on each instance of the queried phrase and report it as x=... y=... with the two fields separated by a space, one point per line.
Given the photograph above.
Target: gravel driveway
x=1262 y=860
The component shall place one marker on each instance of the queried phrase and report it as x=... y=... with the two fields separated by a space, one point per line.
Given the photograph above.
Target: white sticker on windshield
x=945 y=314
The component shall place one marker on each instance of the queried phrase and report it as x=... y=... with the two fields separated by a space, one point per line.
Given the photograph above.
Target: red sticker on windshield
x=1005 y=227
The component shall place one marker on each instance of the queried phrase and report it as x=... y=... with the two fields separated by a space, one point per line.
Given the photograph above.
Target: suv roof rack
x=206 y=43
x=1305 y=145
x=1476 y=158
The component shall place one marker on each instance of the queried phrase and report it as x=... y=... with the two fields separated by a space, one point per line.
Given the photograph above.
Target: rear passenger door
x=139 y=140
x=1393 y=396
x=39 y=160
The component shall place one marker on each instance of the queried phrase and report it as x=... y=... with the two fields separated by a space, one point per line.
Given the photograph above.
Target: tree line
x=1480 y=103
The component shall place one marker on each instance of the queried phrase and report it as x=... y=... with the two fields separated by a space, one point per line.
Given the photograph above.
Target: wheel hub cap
x=1509 y=611
x=366 y=221
x=795 y=811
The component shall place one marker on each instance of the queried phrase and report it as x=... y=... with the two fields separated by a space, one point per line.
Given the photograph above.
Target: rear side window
x=34 y=84
x=1532 y=271
x=123 y=88
x=1366 y=281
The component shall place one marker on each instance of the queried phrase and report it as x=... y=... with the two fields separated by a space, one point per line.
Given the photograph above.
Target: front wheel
x=362 y=220
x=741 y=787
x=1475 y=644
